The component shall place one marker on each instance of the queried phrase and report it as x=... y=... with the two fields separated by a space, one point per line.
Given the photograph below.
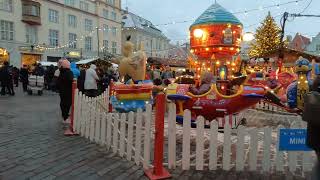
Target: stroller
x=36 y=83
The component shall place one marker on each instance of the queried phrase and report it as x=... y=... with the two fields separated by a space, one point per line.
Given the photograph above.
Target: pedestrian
x=6 y=80
x=90 y=83
x=156 y=76
x=15 y=76
x=56 y=76
x=81 y=80
x=24 y=77
x=49 y=75
x=75 y=70
x=311 y=108
x=38 y=70
x=64 y=83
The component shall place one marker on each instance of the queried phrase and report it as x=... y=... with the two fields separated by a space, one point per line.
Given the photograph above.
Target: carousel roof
x=216 y=14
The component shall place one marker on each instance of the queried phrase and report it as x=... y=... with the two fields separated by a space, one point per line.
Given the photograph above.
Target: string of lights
x=169 y=23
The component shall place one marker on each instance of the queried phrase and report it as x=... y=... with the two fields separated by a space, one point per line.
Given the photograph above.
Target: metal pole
x=98 y=41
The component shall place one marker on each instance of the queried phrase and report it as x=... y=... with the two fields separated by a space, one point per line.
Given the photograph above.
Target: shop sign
x=73 y=54
x=293 y=140
x=31 y=49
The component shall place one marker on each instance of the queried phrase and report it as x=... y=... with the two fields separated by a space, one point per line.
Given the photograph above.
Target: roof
x=131 y=20
x=216 y=14
x=86 y=61
x=297 y=53
x=167 y=62
x=304 y=42
x=45 y=63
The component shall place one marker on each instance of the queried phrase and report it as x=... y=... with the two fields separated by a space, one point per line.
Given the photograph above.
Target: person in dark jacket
x=313 y=132
x=6 y=80
x=24 y=77
x=64 y=83
x=15 y=76
x=81 y=80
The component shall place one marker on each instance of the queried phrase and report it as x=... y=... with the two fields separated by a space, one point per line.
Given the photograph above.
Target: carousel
x=215 y=39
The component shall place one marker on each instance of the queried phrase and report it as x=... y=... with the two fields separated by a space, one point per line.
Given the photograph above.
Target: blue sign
x=293 y=140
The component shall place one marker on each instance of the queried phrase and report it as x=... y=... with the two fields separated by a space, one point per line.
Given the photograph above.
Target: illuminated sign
x=74 y=54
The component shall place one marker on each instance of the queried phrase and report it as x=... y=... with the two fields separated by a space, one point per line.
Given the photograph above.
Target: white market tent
x=86 y=61
x=44 y=63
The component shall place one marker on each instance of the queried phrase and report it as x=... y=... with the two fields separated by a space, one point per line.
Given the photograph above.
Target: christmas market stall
x=4 y=56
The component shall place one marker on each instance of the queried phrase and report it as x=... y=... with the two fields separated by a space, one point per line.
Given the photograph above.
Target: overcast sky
x=166 y=11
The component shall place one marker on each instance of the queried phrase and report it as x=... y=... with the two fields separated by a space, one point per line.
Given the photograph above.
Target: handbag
x=311 y=112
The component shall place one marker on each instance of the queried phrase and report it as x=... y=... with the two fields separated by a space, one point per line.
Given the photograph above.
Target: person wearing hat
x=64 y=83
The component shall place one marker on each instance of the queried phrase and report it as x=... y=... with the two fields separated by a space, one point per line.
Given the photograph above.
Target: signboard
x=293 y=140
x=74 y=54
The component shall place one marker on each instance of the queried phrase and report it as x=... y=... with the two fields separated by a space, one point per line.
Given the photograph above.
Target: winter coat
x=313 y=131
x=24 y=75
x=64 y=83
x=91 y=78
x=5 y=76
x=205 y=85
x=75 y=70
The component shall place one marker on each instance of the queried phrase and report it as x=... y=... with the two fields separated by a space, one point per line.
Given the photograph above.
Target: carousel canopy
x=216 y=14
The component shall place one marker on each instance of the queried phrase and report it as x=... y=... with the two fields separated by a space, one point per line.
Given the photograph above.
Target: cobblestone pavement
x=32 y=146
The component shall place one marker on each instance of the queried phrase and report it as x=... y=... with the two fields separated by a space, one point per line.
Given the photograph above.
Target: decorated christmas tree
x=267 y=38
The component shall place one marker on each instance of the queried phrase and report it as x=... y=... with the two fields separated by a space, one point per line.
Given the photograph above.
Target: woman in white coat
x=90 y=83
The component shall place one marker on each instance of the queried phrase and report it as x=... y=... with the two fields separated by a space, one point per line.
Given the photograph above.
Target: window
x=112 y=2
x=105 y=13
x=88 y=44
x=72 y=40
x=31 y=34
x=105 y=45
x=6 y=30
x=6 y=5
x=84 y=6
x=114 y=31
x=88 y=25
x=105 y=29
x=69 y=2
x=114 y=48
x=318 y=47
x=114 y=16
x=53 y=38
x=72 y=21
x=31 y=10
x=53 y=16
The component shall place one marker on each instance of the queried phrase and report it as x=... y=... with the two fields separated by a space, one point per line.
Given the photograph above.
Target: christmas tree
x=267 y=38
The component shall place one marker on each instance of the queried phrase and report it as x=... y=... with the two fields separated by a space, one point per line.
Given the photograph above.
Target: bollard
x=70 y=131
x=158 y=171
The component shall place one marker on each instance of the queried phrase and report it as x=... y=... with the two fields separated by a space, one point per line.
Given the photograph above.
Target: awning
x=86 y=61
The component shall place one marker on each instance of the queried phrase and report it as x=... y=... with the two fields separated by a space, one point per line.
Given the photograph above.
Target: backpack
x=312 y=108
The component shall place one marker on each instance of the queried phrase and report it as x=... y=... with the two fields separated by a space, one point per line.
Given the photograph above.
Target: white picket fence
x=267 y=106
x=125 y=134
x=131 y=136
x=243 y=149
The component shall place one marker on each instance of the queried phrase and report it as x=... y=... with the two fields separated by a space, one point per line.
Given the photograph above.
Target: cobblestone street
x=32 y=146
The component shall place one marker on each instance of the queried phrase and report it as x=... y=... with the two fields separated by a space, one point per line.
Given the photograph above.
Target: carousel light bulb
x=207 y=49
x=191 y=50
x=198 y=69
x=198 y=33
x=231 y=48
x=301 y=77
x=209 y=69
x=306 y=81
x=232 y=69
x=228 y=62
x=233 y=64
x=220 y=48
x=218 y=62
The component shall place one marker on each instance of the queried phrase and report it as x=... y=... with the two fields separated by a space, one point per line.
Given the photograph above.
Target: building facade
x=46 y=30
x=142 y=31
x=314 y=46
x=299 y=43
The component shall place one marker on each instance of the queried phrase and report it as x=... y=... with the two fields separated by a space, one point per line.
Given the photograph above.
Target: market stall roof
x=216 y=14
x=86 y=61
x=45 y=63
x=167 y=62
x=291 y=55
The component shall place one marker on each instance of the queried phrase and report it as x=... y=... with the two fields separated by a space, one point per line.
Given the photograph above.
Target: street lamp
x=248 y=36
